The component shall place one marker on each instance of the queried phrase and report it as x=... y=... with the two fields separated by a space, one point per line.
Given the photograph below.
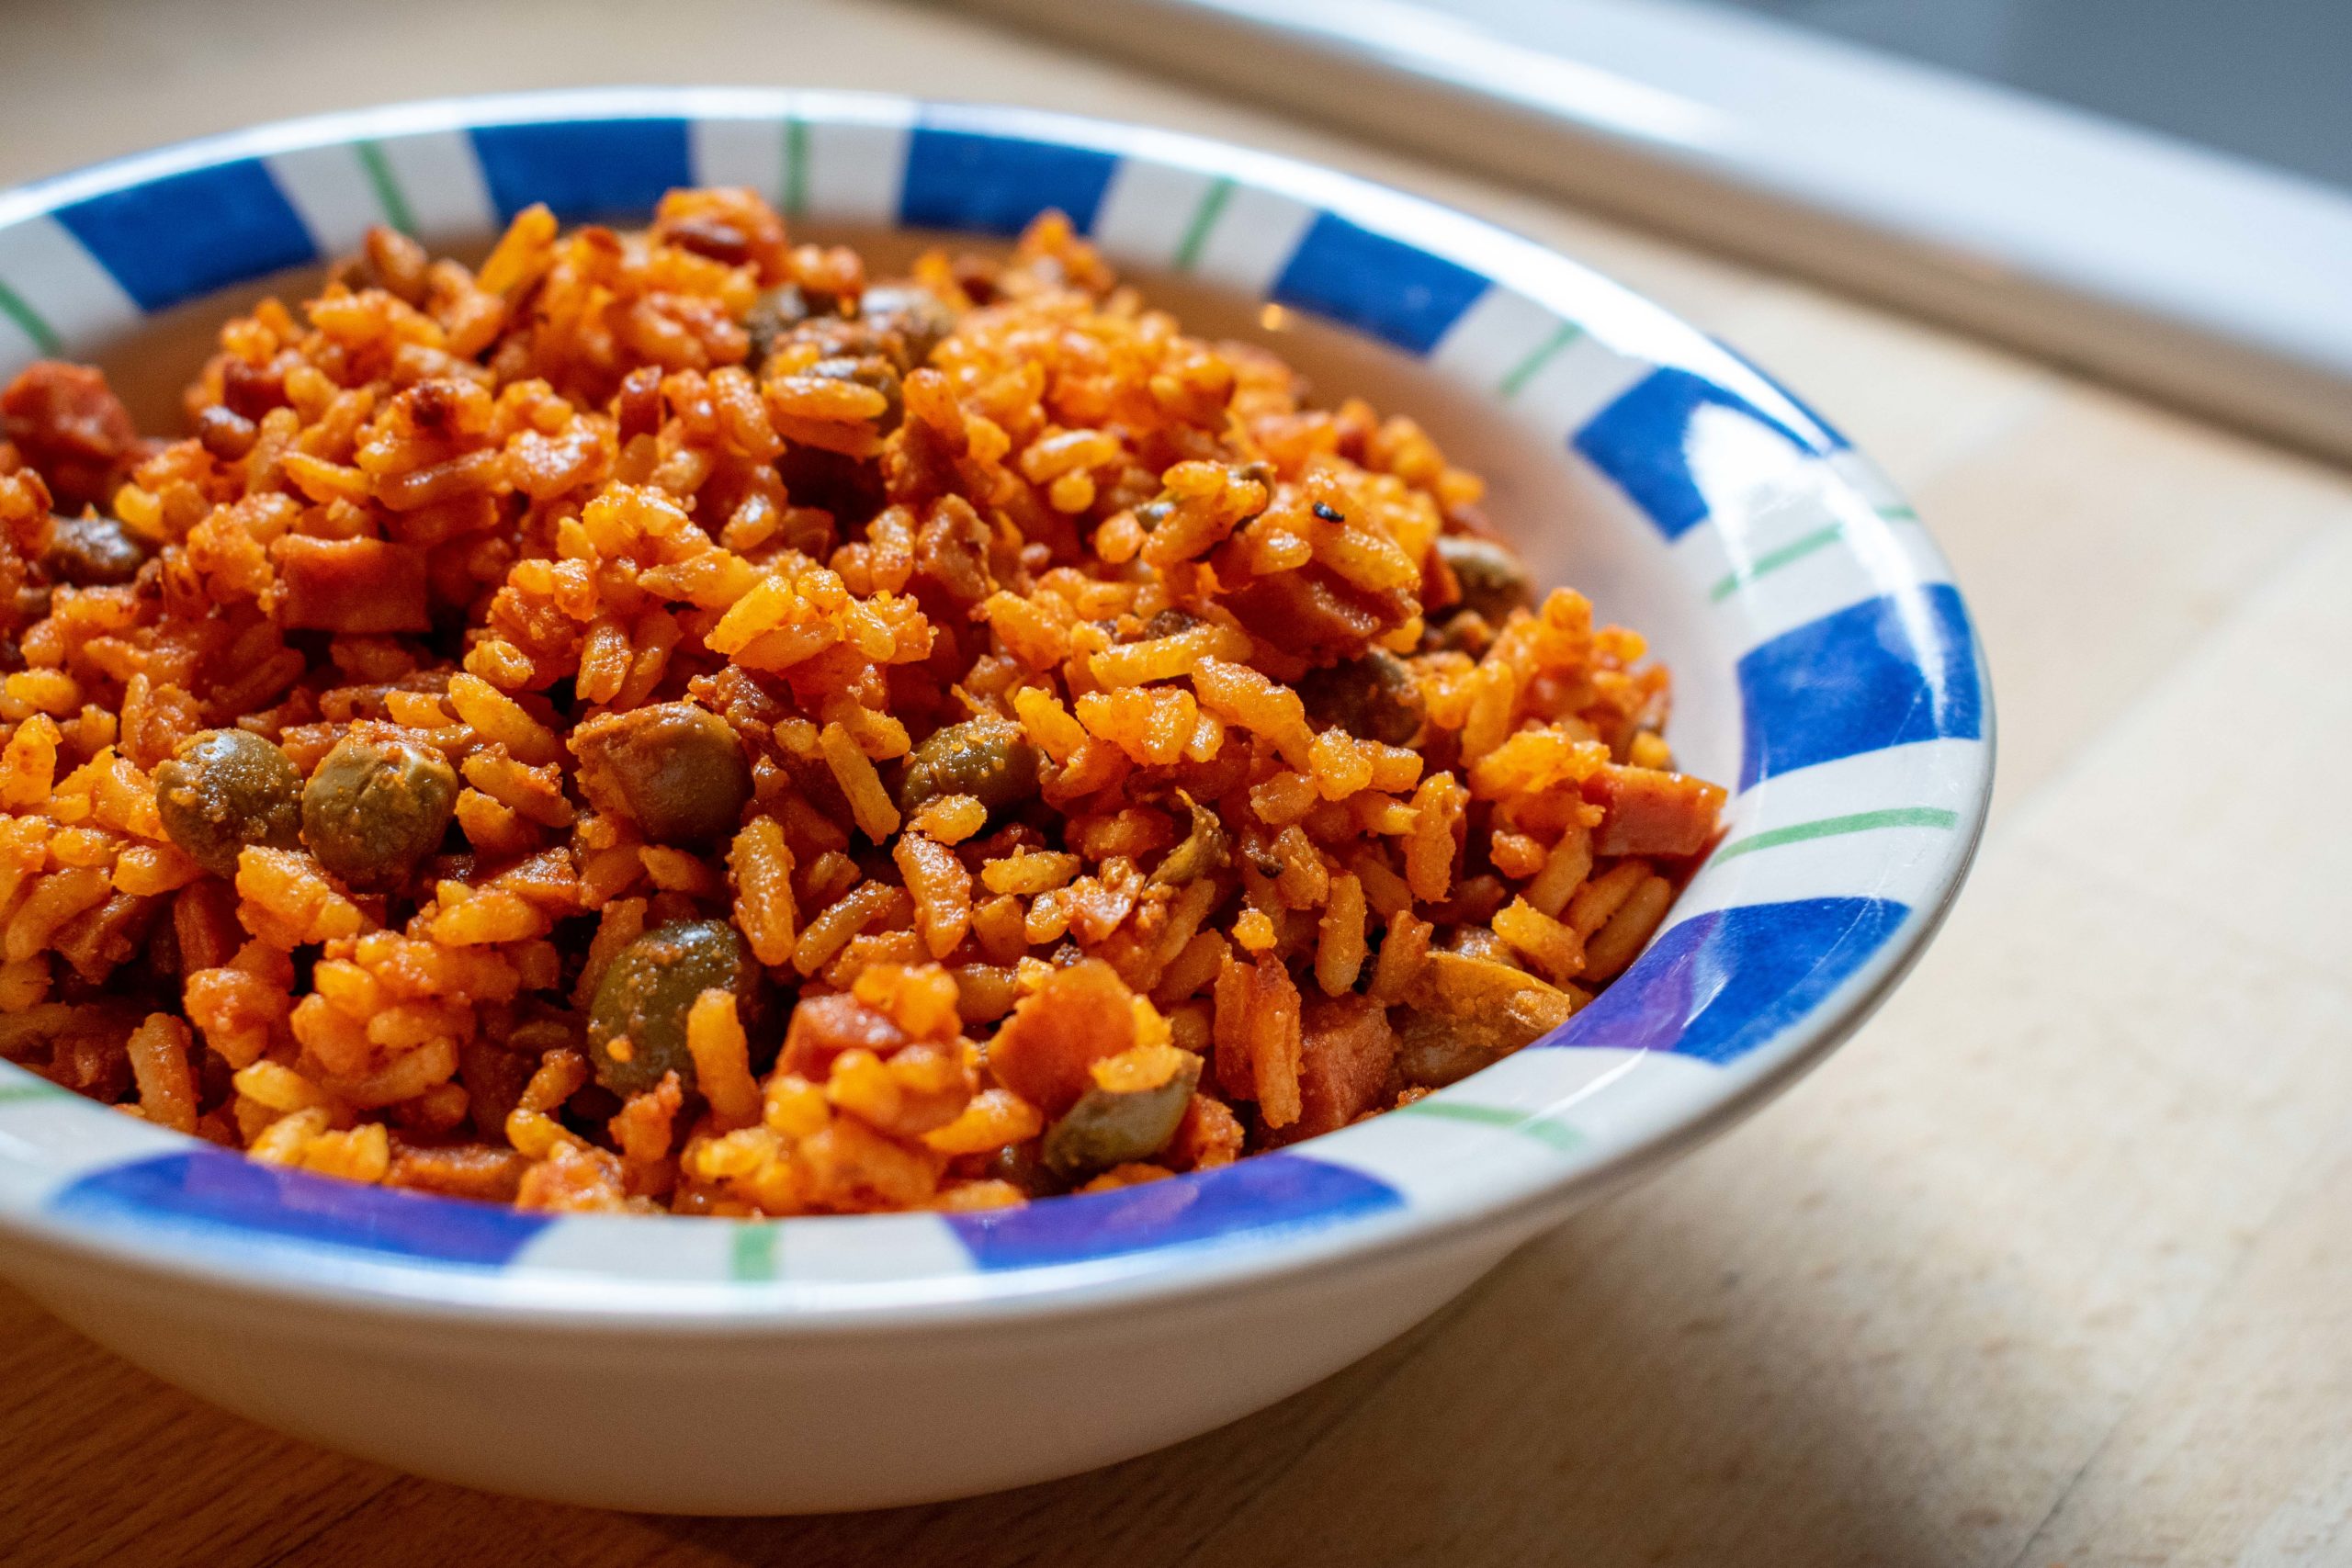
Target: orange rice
x=1301 y=818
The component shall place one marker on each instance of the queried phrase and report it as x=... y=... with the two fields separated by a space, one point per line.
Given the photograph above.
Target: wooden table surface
x=2051 y=1265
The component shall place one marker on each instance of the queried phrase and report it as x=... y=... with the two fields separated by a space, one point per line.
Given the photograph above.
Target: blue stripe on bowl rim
x=994 y=184
x=1262 y=1198
x=1719 y=985
x=1647 y=442
x=1883 y=672
x=1376 y=284
x=583 y=169
x=214 y=1195
x=1752 y=991
x=235 y=221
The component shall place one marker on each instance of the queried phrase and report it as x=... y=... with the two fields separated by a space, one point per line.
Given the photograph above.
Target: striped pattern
x=1773 y=560
x=1886 y=671
x=1863 y=763
x=751 y=1257
x=58 y=293
x=1376 y=284
x=995 y=185
x=1934 y=816
x=1202 y=224
x=28 y=321
x=584 y=169
x=212 y=1196
x=176 y=238
x=386 y=185
x=1515 y=380
x=1546 y=1130
x=1261 y=1199
x=1660 y=443
x=1721 y=984
x=794 y=198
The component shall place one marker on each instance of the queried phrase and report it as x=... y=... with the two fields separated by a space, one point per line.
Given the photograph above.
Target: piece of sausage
x=1648 y=812
x=359 y=587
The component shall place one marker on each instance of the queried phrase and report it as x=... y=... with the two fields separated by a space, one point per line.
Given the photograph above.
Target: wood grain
x=2049 y=1266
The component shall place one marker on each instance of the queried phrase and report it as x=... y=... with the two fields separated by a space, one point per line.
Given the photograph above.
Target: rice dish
x=663 y=722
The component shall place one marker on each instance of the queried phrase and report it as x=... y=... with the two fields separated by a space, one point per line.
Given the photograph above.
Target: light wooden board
x=2049 y=1265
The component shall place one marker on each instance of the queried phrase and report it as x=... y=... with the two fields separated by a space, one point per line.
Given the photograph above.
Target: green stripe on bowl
x=1832 y=826
x=1773 y=560
x=28 y=321
x=386 y=186
x=1515 y=381
x=751 y=1254
x=1556 y=1136
x=1202 y=223
x=17 y=1093
x=795 y=166
x=1795 y=550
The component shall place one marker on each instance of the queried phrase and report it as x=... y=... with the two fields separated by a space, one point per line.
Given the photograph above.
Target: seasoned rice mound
x=662 y=723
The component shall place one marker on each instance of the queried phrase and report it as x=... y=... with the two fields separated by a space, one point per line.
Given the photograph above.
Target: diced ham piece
x=1046 y=1049
x=363 y=587
x=1345 y=1052
x=73 y=430
x=466 y=1170
x=1316 y=613
x=1652 y=813
x=824 y=1027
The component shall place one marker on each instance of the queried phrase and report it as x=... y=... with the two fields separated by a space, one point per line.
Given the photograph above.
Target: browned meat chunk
x=1465 y=1013
x=361 y=587
x=1345 y=1053
x=1315 y=614
x=1077 y=1017
x=1652 y=813
x=72 y=428
x=466 y=1170
x=824 y=1027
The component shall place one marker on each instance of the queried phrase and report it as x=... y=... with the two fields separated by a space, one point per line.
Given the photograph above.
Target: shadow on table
x=1613 y=1394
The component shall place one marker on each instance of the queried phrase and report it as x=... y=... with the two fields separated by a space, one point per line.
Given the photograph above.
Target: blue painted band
x=995 y=185
x=216 y=1193
x=1270 y=1192
x=586 y=168
x=1657 y=442
x=1376 y=284
x=184 y=235
x=1720 y=984
x=1885 y=672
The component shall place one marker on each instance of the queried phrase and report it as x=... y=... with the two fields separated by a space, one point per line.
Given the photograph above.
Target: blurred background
x=2157 y=191
x=2153 y=189
x=2263 y=79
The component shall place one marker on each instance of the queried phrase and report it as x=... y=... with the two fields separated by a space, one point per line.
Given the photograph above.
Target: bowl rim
x=1493 y=1180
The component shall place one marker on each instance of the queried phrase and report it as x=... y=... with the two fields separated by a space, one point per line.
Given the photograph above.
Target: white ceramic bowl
x=1822 y=661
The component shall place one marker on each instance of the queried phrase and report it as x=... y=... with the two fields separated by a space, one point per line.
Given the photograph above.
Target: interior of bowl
x=1822 y=663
